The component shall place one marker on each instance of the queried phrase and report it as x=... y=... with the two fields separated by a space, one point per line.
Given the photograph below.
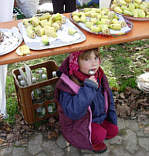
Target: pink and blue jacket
x=79 y=106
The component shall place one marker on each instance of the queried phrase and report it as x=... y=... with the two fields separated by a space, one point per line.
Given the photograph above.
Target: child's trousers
x=58 y=6
x=106 y=130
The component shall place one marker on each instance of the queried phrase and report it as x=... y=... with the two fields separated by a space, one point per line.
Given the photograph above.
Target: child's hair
x=87 y=53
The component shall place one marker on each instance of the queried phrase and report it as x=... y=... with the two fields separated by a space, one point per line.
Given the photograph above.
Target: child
x=58 y=6
x=86 y=108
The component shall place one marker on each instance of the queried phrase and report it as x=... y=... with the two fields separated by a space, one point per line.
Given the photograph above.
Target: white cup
x=6 y=10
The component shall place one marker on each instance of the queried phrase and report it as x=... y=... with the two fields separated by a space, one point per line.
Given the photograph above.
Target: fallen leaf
x=122 y=95
x=1 y=141
x=52 y=135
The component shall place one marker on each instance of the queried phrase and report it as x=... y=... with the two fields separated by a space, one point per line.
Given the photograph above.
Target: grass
x=122 y=63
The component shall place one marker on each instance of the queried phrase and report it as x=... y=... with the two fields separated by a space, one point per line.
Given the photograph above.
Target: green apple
x=71 y=31
x=45 y=40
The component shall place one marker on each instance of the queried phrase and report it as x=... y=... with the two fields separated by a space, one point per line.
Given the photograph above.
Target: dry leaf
x=52 y=135
x=146 y=130
x=122 y=95
x=114 y=88
x=123 y=110
x=1 y=141
x=135 y=91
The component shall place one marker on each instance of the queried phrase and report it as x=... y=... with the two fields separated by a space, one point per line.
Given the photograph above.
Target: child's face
x=91 y=63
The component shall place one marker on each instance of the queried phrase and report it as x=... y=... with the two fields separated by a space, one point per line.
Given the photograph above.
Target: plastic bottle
x=49 y=92
x=51 y=108
x=20 y=77
x=34 y=79
x=41 y=111
x=23 y=83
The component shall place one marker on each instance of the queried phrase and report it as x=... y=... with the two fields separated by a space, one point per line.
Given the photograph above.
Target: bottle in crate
x=38 y=95
x=52 y=107
x=41 y=75
x=40 y=112
x=23 y=83
x=49 y=92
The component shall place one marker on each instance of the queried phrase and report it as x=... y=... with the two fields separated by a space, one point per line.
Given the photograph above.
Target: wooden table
x=140 y=31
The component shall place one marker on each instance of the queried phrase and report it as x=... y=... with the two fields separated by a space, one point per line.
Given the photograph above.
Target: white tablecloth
x=6 y=14
x=3 y=74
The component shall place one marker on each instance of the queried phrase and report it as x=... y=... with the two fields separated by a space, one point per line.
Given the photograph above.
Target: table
x=140 y=31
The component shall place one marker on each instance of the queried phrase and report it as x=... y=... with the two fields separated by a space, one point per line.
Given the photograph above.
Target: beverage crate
x=36 y=101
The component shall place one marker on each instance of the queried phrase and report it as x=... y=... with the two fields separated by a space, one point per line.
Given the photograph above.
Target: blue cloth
x=75 y=107
x=90 y=2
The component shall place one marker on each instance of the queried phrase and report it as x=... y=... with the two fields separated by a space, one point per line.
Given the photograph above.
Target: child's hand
x=92 y=78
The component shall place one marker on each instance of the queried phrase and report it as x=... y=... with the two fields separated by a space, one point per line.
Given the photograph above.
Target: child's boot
x=99 y=148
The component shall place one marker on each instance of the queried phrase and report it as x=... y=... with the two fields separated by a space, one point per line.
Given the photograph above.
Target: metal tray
x=123 y=31
x=63 y=38
x=12 y=40
x=135 y=18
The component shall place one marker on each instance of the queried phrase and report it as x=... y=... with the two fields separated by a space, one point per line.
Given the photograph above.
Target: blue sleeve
x=76 y=106
x=112 y=116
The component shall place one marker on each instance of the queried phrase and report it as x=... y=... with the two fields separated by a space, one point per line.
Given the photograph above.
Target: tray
x=123 y=31
x=11 y=41
x=63 y=38
x=135 y=18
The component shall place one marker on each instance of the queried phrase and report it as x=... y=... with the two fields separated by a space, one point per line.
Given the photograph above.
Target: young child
x=86 y=108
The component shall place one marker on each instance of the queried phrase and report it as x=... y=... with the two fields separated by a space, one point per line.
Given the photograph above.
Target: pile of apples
x=99 y=20
x=44 y=26
x=134 y=8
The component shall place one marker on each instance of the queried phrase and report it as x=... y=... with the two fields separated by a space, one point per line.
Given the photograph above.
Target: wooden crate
x=28 y=105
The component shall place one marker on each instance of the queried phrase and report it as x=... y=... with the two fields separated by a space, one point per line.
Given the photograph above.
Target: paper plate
x=12 y=39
